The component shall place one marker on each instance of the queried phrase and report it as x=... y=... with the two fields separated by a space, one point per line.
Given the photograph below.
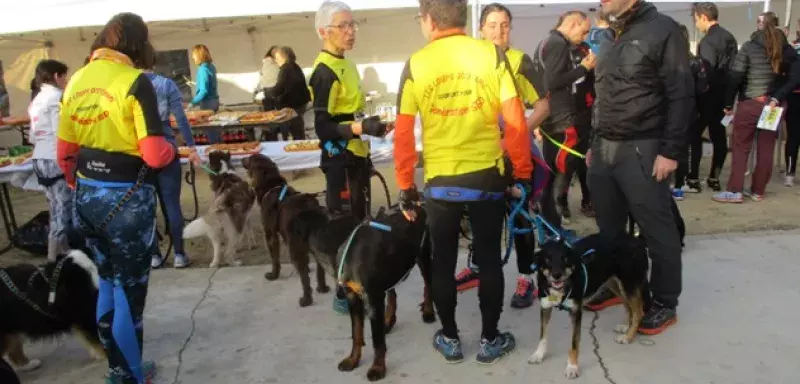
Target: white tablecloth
x=21 y=176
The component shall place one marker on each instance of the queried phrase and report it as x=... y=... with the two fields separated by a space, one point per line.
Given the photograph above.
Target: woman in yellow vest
x=338 y=100
x=495 y=23
x=110 y=145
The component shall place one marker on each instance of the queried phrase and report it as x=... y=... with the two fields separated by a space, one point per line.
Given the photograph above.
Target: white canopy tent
x=238 y=32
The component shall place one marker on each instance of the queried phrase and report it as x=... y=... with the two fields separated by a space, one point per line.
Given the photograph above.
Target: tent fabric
x=42 y=15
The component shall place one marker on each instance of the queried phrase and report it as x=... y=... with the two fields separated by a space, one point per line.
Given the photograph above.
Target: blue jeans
x=214 y=135
x=169 y=186
x=122 y=252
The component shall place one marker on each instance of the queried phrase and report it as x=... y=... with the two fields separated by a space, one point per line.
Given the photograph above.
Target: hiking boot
x=588 y=209
x=714 y=184
x=693 y=186
x=447 y=347
x=677 y=194
x=340 y=305
x=492 y=351
x=148 y=370
x=467 y=279
x=604 y=299
x=523 y=296
x=181 y=261
x=658 y=319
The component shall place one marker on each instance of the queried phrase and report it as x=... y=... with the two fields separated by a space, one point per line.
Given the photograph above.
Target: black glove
x=526 y=186
x=373 y=126
x=409 y=198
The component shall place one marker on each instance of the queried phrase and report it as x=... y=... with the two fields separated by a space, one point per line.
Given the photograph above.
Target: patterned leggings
x=122 y=253
x=60 y=197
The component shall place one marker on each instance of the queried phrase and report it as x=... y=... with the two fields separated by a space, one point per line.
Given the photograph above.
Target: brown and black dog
x=568 y=277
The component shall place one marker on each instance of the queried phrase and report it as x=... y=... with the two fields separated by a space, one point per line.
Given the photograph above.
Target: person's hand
x=589 y=157
x=663 y=167
x=537 y=133
x=516 y=192
x=589 y=61
x=373 y=126
x=773 y=103
x=194 y=158
x=408 y=201
x=728 y=111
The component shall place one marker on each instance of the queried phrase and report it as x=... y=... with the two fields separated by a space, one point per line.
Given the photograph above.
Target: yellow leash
x=562 y=146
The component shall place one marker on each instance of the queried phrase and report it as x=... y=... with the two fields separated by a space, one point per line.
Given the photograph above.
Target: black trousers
x=792 y=133
x=689 y=165
x=444 y=223
x=562 y=164
x=348 y=187
x=525 y=245
x=711 y=114
x=621 y=179
x=579 y=169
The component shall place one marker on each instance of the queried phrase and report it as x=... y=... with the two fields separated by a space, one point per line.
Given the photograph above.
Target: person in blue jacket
x=169 y=179
x=599 y=33
x=206 y=96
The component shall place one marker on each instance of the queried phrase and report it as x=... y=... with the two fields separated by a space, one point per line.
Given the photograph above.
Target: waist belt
x=459 y=194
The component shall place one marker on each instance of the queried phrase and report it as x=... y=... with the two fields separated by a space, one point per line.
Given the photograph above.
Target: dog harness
x=565 y=304
x=23 y=296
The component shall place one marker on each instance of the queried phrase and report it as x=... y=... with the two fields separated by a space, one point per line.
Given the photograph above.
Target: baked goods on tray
x=227 y=117
x=302 y=145
x=20 y=159
x=195 y=117
x=5 y=161
x=266 y=117
x=184 y=151
x=248 y=148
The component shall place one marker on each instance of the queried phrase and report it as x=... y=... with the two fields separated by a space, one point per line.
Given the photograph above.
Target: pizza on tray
x=264 y=117
x=302 y=145
x=248 y=148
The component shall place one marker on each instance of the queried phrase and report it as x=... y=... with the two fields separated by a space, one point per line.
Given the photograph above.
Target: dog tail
x=307 y=222
x=196 y=228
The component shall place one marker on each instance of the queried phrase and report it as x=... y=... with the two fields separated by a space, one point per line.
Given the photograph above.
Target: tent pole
x=476 y=14
x=767 y=4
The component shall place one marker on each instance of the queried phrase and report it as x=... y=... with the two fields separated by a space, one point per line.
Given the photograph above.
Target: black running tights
x=792 y=133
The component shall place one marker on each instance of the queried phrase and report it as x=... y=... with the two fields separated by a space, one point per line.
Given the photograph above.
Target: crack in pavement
x=596 y=350
x=191 y=333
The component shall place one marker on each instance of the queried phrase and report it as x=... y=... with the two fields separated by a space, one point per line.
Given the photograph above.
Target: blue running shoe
x=492 y=351
x=148 y=369
x=449 y=348
x=677 y=194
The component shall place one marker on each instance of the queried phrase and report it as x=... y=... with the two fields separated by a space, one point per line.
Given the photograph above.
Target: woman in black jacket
x=291 y=92
x=763 y=73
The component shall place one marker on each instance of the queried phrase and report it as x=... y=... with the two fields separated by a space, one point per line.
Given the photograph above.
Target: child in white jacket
x=51 y=77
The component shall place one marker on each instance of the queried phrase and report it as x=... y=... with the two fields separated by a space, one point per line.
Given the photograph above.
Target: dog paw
x=305 y=301
x=538 y=356
x=348 y=364
x=376 y=373
x=323 y=289
x=272 y=276
x=571 y=372
x=428 y=317
x=32 y=365
x=622 y=328
x=623 y=339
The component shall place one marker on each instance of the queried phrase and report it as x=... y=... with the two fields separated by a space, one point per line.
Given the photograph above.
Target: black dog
x=569 y=277
x=376 y=257
x=48 y=301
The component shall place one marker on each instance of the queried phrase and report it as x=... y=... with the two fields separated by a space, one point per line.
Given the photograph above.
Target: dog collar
x=282 y=195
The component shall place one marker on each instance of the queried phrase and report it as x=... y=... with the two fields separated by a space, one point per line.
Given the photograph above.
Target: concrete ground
x=737 y=325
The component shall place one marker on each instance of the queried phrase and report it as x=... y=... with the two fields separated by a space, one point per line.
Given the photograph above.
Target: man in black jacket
x=645 y=95
x=717 y=49
x=553 y=63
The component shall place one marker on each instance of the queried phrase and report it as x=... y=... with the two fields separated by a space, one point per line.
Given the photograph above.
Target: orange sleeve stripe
x=156 y=151
x=66 y=154
x=405 y=151
x=517 y=141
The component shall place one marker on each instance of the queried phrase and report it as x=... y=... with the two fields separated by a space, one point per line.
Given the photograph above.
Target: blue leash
x=539 y=223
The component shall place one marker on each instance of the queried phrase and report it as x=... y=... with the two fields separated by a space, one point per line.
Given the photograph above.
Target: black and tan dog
x=46 y=302
x=376 y=257
x=569 y=277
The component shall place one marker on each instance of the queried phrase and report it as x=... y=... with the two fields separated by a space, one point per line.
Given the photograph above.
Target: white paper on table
x=770 y=118
x=727 y=120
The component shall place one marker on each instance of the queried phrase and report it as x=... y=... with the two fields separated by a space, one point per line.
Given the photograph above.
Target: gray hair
x=325 y=14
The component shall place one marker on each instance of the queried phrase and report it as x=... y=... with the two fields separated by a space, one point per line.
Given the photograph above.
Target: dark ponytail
x=46 y=72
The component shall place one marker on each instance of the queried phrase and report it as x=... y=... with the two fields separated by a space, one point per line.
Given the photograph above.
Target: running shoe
x=604 y=299
x=692 y=186
x=728 y=197
x=788 y=181
x=181 y=261
x=148 y=369
x=467 y=279
x=523 y=295
x=492 y=351
x=714 y=184
x=447 y=347
x=677 y=194
x=658 y=319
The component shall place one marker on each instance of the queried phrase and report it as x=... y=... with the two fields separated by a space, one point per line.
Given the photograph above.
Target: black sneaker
x=604 y=299
x=693 y=186
x=658 y=319
x=714 y=184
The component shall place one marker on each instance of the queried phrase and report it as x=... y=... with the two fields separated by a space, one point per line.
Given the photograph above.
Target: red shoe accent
x=467 y=279
x=523 y=283
x=601 y=306
x=656 y=331
x=468 y=285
